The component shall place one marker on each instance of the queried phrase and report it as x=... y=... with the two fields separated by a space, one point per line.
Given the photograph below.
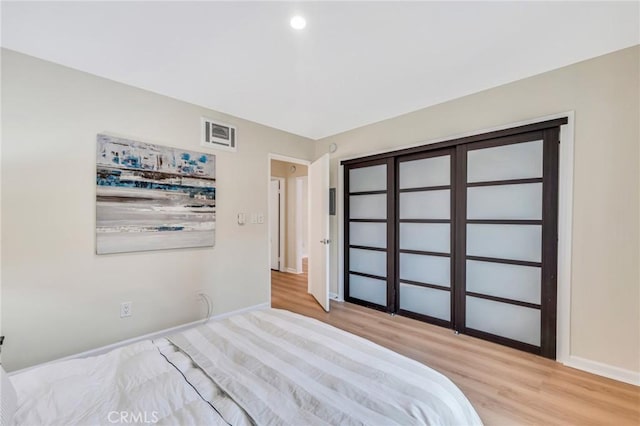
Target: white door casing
x=274 y=223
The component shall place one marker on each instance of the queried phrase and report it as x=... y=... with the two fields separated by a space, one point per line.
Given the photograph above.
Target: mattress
x=261 y=367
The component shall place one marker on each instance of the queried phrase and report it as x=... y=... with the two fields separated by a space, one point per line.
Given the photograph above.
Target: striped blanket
x=283 y=368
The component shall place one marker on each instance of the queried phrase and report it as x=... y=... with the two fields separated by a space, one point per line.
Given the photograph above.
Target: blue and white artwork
x=152 y=197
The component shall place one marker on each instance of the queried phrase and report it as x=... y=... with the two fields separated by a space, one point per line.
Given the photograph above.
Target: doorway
x=288 y=219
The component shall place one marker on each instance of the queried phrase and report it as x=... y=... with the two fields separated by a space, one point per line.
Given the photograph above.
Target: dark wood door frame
x=549 y=132
x=446 y=151
x=390 y=249
x=549 y=243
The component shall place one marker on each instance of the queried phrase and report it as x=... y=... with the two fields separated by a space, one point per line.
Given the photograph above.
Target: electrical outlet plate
x=125 y=309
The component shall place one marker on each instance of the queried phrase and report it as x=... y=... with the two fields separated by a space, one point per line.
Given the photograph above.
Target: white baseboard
x=334 y=296
x=149 y=336
x=606 y=370
x=293 y=271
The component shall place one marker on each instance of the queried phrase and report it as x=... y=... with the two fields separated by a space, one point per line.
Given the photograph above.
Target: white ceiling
x=355 y=63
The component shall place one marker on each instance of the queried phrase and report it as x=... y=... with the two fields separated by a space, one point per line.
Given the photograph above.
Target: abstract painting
x=152 y=197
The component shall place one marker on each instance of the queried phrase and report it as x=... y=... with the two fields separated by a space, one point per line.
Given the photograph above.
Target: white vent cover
x=218 y=135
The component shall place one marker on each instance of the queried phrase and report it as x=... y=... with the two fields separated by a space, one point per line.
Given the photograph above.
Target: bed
x=264 y=367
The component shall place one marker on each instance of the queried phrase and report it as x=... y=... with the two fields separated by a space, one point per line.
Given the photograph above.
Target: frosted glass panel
x=505 y=202
x=368 y=234
x=368 y=289
x=425 y=269
x=509 y=281
x=502 y=319
x=516 y=161
x=433 y=171
x=372 y=178
x=368 y=206
x=426 y=301
x=516 y=242
x=425 y=205
x=368 y=262
x=425 y=236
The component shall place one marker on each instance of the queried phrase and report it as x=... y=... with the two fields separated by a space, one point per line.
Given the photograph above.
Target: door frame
x=299 y=183
x=281 y=221
x=565 y=217
x=280 y=157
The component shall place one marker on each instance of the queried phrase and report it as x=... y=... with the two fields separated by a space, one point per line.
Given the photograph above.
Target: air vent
x=218 y=135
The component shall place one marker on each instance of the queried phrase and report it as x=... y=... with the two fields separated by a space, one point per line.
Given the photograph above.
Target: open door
x=319 y=231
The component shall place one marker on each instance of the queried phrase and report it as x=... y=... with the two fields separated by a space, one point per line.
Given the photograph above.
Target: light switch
x=254 y=217
x=260 y=217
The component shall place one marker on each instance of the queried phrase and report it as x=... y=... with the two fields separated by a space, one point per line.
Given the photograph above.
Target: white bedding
x=157 y=383
x=284 y=368
x=131 y=385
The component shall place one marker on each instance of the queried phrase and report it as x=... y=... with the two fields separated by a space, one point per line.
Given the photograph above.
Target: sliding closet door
x=462 y=233
x=424 y=229
x=368 y=213
x=507 y=232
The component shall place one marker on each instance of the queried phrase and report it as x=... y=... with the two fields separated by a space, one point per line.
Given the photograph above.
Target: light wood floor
x=507 y=387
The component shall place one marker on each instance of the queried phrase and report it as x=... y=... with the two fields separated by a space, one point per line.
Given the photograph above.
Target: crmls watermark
x=126 y=417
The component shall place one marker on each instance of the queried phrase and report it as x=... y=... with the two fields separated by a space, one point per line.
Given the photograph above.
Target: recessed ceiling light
x=298 y=22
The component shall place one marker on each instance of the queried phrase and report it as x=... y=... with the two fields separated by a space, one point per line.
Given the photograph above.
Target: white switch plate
x=125 y=309
x=260 y=217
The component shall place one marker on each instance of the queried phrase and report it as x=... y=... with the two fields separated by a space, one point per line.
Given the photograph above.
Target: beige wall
x=603 y=92
x=283 y=169
x=58 y=297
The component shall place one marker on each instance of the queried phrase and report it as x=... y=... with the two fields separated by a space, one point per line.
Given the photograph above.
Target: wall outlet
x=125 y=309
x=260 y=217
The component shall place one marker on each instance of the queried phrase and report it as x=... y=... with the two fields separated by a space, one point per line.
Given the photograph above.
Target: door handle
x=326 y=241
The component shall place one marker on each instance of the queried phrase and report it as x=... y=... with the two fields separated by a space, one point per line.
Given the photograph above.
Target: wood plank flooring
x=506 y=386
